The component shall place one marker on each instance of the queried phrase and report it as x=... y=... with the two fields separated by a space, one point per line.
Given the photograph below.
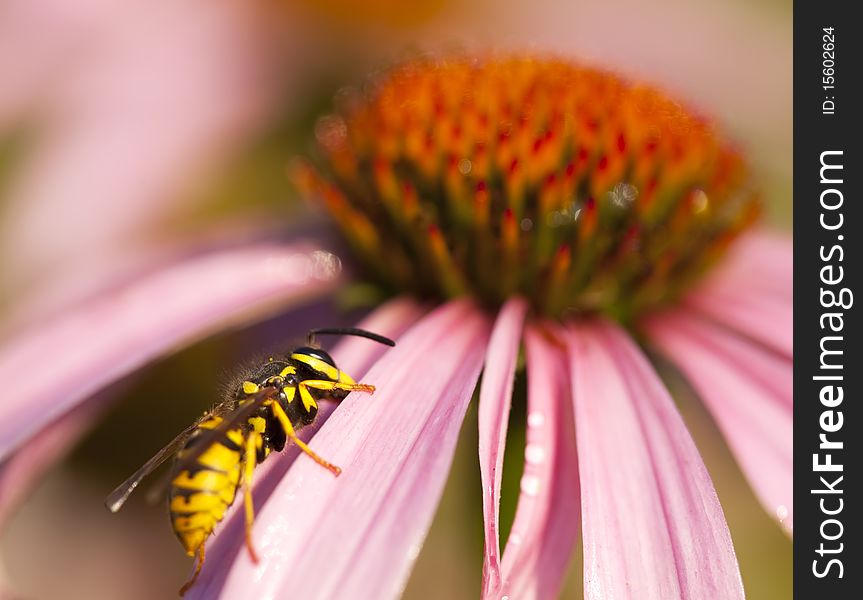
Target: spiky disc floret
x=528 y=176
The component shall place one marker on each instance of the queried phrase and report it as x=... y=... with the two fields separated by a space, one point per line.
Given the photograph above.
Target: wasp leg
x=335 y=385
x=328 y=386
x=249 y=462
x=289 y=431
x=197 y=572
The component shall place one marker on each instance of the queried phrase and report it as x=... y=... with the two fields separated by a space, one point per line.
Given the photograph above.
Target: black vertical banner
x=828 y=362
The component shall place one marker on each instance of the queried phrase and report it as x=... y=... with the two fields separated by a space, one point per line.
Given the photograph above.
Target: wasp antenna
x=350 y=331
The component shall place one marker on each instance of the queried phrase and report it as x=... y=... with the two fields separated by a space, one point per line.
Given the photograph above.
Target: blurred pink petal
x=748 y=390
x=37 y=40
x=130 y=262
x=494 y=403
x=547 y=519
x=100 y=341
x=751 y=292
x=758 y=317
x=21 y=472
x=653 y=526
x=148 y=97
x=365 y=528
x=762 y=259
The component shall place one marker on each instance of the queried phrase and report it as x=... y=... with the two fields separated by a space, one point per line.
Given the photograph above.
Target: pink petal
x=37 y=38
x=761 y=319
x=653 y=526
x=752 y=292
x=110 y=336
x=132 y=261
x=762 y=258
x=547 y=519
x=494 y=403
x=356 y=536
x=20 y=472
x=748 y=391
x=134 y=102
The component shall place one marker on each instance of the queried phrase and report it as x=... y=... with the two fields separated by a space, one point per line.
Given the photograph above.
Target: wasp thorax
x=541 y=178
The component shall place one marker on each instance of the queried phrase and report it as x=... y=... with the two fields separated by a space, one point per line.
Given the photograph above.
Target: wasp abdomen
x=202 y=492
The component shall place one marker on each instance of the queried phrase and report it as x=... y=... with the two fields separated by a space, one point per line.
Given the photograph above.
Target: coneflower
x=539 y=178
x=539 y=204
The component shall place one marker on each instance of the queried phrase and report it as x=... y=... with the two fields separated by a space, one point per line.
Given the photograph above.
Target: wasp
x=217 y=454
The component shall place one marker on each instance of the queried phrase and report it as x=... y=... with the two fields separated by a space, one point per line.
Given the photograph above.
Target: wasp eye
x=316 y=353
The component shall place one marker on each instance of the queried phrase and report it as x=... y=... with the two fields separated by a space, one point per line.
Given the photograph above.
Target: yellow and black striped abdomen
x=201 y=493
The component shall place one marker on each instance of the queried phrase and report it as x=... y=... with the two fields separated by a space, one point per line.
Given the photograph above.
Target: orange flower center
x=513 y=175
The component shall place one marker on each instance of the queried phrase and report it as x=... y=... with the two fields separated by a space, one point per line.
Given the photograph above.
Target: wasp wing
x=118 y=497
x=230 y=421
x=234 y=416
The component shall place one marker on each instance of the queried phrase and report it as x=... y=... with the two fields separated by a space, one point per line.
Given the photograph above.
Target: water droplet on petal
x=534 y=454
x=535 y=419
x=331 y=132
x=700 y=201
x=324 y=265
x=623 y=194
x=465 y=166
x=514 y=539
x=530 y=485
x=414 y=551
x=782 y=512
